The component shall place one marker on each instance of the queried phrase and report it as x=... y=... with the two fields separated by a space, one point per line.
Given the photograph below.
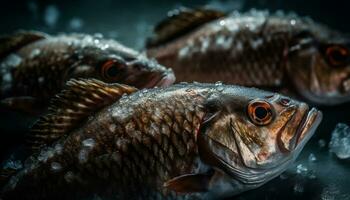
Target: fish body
x=35 y=66
x=275 y=51
x=185 y=141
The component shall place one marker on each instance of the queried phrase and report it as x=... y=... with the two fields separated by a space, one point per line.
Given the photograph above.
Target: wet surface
x=322 y=176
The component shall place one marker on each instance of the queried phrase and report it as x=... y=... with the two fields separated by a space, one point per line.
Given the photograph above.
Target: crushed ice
x=11 y=163
x=312 y=157
x=340 y=141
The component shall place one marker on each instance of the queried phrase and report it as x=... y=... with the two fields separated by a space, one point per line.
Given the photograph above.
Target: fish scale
x=164 y=159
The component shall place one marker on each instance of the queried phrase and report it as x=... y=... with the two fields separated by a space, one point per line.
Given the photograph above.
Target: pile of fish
x=113 y=124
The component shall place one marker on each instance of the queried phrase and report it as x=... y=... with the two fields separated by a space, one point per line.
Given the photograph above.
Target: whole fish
x=35 y=66
x=272 y=51
x=184 y=141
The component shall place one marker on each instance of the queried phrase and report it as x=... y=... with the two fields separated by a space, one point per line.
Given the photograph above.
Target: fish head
x=251 y=136
x=320 y=69
x=114 y=63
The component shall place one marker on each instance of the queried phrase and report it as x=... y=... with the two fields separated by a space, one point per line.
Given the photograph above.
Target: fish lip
x=166 y=80
x=307 y=126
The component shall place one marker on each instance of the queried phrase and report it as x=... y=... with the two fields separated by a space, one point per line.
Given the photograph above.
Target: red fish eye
x=110 y=70
x=337 y=55
x=260 y=112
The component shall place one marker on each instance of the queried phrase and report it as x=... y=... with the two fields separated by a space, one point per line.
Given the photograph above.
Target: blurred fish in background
x=283 y=52
x=35 y=66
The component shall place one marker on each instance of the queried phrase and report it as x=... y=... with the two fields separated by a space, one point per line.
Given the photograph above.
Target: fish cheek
x=299 y=68
x=81 y=71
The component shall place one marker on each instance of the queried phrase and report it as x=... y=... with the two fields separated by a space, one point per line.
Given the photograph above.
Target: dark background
x=131 y=21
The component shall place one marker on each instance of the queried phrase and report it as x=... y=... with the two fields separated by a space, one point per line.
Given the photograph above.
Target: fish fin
x=80 y=99
x=181 y=21
x=12 y=42
x=189 y=183
x=25 y=104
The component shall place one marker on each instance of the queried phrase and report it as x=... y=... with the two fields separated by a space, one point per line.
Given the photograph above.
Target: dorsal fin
x=72 y=106
x=12 y=42
x=180 y=22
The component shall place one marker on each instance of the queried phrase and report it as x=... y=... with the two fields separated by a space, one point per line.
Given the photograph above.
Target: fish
x=35 y=66
x=280 y=52
x=186 y=141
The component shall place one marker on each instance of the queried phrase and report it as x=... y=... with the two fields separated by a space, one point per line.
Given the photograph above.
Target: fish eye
x=110 y=69
x=337 y=55
x=260 y=112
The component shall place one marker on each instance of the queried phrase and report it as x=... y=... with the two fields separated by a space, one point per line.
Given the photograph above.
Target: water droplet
x=98 y=35
x=51 y=15
x=69 y=176
x=83 y=155
x=218 y=83
x=292 y=22
x=298 y=188
x=34 y=53
x=13 y=60
x=76 y=23
x=112 y=128
x=55 y=166
x=58 y=148
x=90 y=143
x=41 y=79
x=321 y=143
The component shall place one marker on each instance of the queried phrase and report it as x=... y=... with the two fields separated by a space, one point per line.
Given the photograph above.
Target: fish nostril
x=285 y=101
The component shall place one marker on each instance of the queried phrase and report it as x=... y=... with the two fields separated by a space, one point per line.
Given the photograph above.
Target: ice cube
x=301 y=169
x=312 y=157
x=340 y=141
x=13 y=164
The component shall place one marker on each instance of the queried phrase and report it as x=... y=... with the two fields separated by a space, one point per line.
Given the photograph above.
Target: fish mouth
x=165 y=80
x=307 y=127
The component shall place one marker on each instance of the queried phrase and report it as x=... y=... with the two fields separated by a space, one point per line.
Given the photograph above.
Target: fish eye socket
x=110 y=70
x=260 y=112
x=337 y=55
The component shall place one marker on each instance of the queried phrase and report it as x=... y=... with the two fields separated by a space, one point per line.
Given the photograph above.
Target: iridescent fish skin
x=185 y=141
x=36 y=66
x=276 y=51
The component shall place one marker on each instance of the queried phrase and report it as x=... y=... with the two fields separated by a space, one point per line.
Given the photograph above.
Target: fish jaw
x=307 y=129
x=164 y=80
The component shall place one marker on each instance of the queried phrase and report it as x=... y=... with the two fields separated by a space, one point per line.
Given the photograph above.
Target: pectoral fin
x=189 y=183
x=25 y=104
